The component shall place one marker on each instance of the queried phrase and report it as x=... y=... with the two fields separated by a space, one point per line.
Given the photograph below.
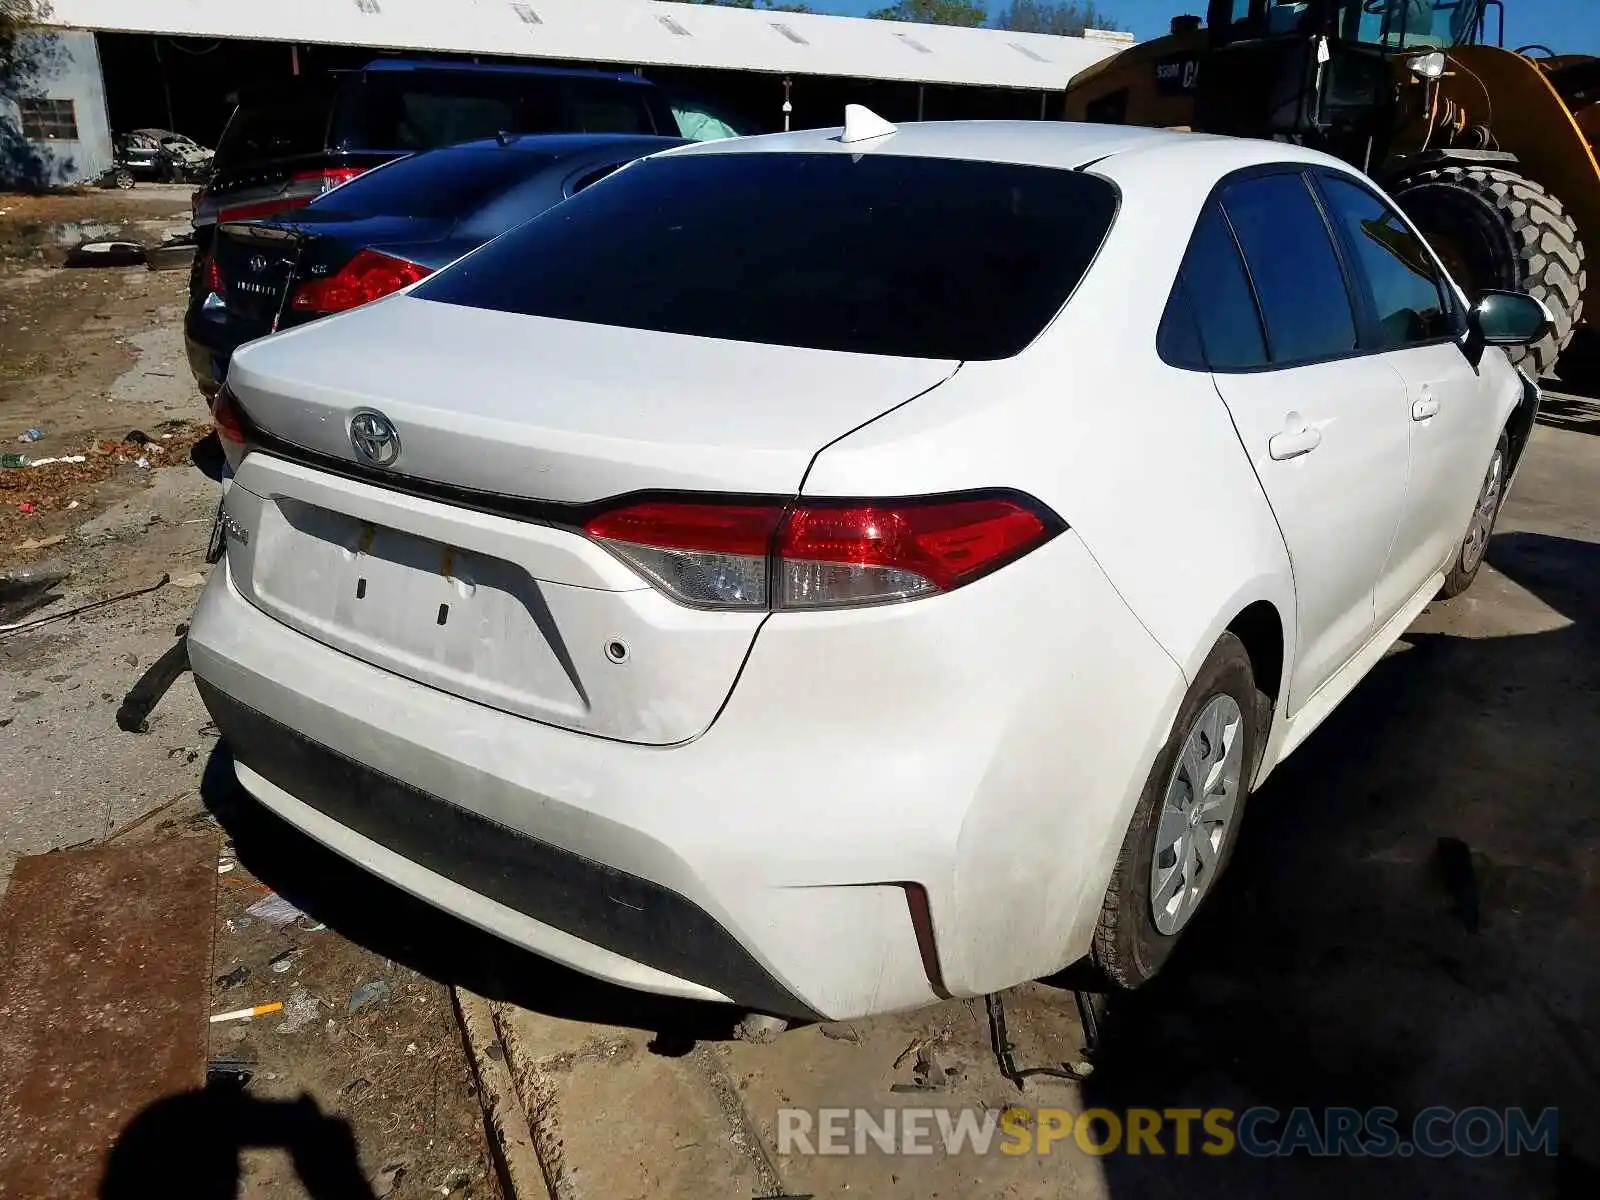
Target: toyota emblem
x=258 y=263
x=374 y=438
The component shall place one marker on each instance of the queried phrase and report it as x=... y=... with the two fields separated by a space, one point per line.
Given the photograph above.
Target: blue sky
x=1569 y=26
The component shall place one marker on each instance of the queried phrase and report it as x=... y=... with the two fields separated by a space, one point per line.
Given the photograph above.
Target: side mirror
x=1505 y=319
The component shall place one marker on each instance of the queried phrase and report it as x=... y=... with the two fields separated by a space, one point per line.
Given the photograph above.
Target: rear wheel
x=1187 y=821
x=1497 y=229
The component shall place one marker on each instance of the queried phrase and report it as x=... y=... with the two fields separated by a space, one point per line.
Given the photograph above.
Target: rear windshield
x=268 y=128
x=445 y=183
x=914 y=257
x=424 y=109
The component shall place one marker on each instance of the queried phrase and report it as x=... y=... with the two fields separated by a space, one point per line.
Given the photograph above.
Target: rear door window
x=421 y=110
x=1402 y=282
x=1296 y=272
x=828 y=251
x=1218 y=291
x=268 y=128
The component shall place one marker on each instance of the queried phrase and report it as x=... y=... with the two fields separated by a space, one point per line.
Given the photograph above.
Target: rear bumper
x=596 y=903
x=988 y=746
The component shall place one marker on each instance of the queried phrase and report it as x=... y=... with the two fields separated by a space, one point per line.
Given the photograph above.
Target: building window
x=48 y=120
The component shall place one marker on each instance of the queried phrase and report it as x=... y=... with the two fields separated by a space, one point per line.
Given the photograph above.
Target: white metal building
x=170 y=62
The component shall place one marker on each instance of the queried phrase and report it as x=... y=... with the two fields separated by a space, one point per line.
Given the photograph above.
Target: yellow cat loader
x=1490 y=151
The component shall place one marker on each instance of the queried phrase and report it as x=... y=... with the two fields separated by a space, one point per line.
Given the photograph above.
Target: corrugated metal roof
x=632 y=32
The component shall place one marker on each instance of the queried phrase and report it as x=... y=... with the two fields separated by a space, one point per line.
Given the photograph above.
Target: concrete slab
x=613 y=1120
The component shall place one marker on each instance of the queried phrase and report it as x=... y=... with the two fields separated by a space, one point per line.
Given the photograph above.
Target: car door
x=1325 y=425
x=1418 y=321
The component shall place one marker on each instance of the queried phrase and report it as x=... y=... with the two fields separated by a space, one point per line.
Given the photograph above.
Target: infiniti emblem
x=374 y=438
x=258 y=263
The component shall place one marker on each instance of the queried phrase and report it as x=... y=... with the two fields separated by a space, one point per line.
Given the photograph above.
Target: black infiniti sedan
x=382 y=231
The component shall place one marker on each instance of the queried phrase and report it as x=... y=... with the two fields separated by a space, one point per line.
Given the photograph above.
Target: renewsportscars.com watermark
x=1215 y=1132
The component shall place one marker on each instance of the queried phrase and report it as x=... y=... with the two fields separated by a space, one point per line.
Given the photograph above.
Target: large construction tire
x=1497 y=229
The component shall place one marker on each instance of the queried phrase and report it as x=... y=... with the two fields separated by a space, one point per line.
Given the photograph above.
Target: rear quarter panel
x=1140 y=459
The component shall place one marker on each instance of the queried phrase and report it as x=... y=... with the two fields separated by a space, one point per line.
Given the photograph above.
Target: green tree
x=934 y=12
x=18 y=54
x=1069 y=18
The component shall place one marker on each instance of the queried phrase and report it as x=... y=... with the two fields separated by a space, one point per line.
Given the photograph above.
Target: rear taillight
x=330 y=178
x=367 y=277
x=213 y=275
x=812 y=555
x=230 y=430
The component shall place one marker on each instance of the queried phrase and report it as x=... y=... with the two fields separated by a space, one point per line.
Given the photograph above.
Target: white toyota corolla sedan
x=833 y=571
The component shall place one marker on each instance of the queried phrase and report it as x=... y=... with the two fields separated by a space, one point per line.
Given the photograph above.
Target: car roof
x=558 y=143
x=398 y=65
x=1062 y=144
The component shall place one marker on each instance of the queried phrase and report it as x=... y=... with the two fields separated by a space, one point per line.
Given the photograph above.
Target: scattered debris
x=233 y=978
x=136 y=437
x=65 y=458
x=299 y=1012
x=83 y=608
x=25 y=508
x=237 y=923
x=234 y=1072
x=368 y=994
x=28 y=588
x=275 y=911
x=106 y=254
x=225 y=866
x=30 y=435
x=249 y=1014
x=12 y=461
x=41 y=543
x=841 y=1032
x=193 y=580
x=282 y=963
x=1454 y=859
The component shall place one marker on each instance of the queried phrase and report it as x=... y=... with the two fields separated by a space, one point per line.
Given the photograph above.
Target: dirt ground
x=90 y=356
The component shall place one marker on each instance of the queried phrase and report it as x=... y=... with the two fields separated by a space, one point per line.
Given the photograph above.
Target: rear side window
x=440 y=184
x=1293 y=265
x=425 y=109
x=1218 y=291
x=1402 y=281
x=827 y=251
x=270 y=128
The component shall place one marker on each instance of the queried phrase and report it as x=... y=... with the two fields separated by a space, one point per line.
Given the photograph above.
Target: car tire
x=1485 y=512
x=1496 y=228
x=1131 y=942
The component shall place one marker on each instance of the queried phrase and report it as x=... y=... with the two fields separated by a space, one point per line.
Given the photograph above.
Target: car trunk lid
x=531 y=416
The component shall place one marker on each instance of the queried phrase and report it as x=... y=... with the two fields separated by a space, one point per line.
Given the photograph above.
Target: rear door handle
x=1425 y=406
x=1299 y=438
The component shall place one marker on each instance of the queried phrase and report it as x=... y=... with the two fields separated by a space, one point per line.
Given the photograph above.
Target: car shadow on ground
x=1335 y=966
x=394 y=924
x=1575 y=412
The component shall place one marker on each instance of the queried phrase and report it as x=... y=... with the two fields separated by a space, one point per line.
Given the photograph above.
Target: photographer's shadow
x=189 y=1147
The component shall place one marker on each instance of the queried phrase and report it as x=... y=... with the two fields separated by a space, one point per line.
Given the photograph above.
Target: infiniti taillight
x=213 y=275
x=230 y=431
x=813 y=554
x=367 y=277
